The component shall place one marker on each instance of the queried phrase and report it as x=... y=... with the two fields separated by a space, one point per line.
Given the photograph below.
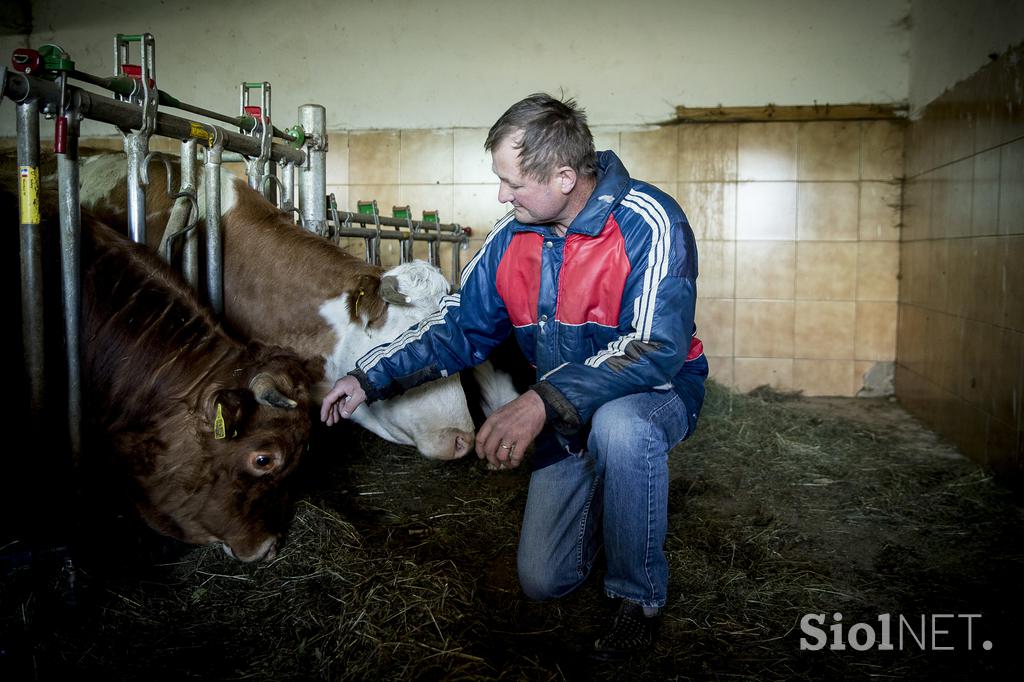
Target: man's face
x=535 y=202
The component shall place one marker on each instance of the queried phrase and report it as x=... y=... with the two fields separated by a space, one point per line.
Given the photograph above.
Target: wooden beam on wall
x=771 y=112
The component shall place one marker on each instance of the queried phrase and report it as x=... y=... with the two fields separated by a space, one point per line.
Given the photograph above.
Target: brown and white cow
x=286 y=286
x=205 y=430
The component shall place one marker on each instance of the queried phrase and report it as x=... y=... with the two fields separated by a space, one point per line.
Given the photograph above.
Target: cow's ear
x=230 y=408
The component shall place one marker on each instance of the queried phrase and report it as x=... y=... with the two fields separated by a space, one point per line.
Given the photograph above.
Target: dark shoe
x=631 y=633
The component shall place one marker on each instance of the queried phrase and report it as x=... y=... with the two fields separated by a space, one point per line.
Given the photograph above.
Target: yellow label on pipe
x=198 y=131
x=28 y=185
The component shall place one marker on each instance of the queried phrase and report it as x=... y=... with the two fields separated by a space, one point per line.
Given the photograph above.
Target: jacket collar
x=612 y=185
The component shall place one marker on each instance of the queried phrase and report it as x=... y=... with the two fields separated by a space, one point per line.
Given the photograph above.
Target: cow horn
x=389 y=291
x=265 y=390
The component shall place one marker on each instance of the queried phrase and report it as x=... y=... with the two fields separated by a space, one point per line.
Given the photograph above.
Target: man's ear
x=566 y=179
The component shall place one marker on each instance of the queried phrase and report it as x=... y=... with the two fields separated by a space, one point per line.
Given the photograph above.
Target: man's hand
x=342 y=400
x=506 y=434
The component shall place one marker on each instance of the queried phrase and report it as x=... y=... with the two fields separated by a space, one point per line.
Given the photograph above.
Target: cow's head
x=432 y=417
x=225 y=479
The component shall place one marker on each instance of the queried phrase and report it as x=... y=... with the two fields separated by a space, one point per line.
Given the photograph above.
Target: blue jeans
x=615 y=492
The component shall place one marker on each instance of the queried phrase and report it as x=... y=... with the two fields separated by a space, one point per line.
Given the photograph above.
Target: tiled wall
x=797 y=227
x=961 y=321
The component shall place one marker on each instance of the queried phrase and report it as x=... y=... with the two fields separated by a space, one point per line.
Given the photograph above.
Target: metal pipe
x=313 y=173
x=71 y=268
x=136 y=147
x=128 y=116
x=214 y=247
x=287 y=186
x=33 y=328
x=190 y=253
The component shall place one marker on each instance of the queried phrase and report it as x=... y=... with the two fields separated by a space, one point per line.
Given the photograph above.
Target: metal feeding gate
x=368 y=224
x=38 y=84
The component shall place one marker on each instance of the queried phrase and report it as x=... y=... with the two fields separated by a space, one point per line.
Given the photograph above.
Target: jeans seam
x=650 y=495
x=584 y=517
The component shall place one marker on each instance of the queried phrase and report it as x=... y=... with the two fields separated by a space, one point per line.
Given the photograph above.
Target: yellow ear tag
x=219 y=432
x=358 y=298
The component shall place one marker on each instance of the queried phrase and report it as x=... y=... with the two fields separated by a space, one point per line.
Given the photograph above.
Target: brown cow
x=205 y=430
x=287 y=286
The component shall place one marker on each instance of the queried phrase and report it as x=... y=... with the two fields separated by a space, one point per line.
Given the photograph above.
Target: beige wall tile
x=1013 y=296
x=386 y=196
x=828 y=150
x=936 y=280
x=917 y=206
x=1011 y=195
x=985 y=194
x=707 y=152
x=427 y=156
x=710 y=207
x=471 y=164
x=824 y=330
x=766 y=151
x=824 y=377
x=717 y=266
x=340 y=193
x=880 y=211
x=605 y=140
x=988 y=280
x=337 y=158
x=876 y=331
x=881 y=150
x=766 y=210
x=764 y=329
x=751 y=373
x=944 y=350
x=826 y=271
x=958 y=198
x=715 y=322
x=650 y=155
x=878 y=267
x=477 y=206
x=720 y=370
x=960 y=272
x=911 y=337
x=765 y=269
x=373 y=157
x=440 y=198
x=827 y=211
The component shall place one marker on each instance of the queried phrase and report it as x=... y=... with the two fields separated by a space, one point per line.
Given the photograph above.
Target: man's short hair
x=554 y=134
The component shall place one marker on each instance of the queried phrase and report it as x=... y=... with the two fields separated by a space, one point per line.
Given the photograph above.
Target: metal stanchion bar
x=190 y=254
x=214 y=244
x=31 y=262
x=129 y=116
x=313 y=175
x=449 y=233
x=70 y=247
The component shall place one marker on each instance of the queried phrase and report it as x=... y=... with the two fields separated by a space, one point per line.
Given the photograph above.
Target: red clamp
x=468 y=231
x=26 y=60
x=255 y=112
x=135 y=71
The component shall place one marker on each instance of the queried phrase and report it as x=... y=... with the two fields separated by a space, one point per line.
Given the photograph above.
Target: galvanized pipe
x=313 y=175
x=128 y=116
x=71 y=269
x=190 y=252
x=136 y=147
x=33 y=328
x=287 y=194
x=214 y=245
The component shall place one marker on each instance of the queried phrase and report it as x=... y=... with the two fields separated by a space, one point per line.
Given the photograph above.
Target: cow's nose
x=464 y=442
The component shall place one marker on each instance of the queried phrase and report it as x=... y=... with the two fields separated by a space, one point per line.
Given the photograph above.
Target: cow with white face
x=286 y=286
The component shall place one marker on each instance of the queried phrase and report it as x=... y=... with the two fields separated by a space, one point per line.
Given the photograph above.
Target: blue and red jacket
x=603 y=312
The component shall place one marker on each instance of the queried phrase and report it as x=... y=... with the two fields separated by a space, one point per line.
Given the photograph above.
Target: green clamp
x=298 y=135
x=55 y=59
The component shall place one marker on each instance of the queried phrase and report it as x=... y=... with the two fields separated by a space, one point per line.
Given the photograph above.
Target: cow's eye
x=264 y=460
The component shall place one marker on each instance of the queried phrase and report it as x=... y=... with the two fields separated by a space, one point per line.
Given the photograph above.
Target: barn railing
x=38 y=84
x=368 y=224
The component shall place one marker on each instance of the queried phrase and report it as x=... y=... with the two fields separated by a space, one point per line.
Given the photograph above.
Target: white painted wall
x=951 y=39
x=445 y=63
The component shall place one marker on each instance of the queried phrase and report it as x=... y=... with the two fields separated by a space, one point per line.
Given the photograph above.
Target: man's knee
x=540 y=582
